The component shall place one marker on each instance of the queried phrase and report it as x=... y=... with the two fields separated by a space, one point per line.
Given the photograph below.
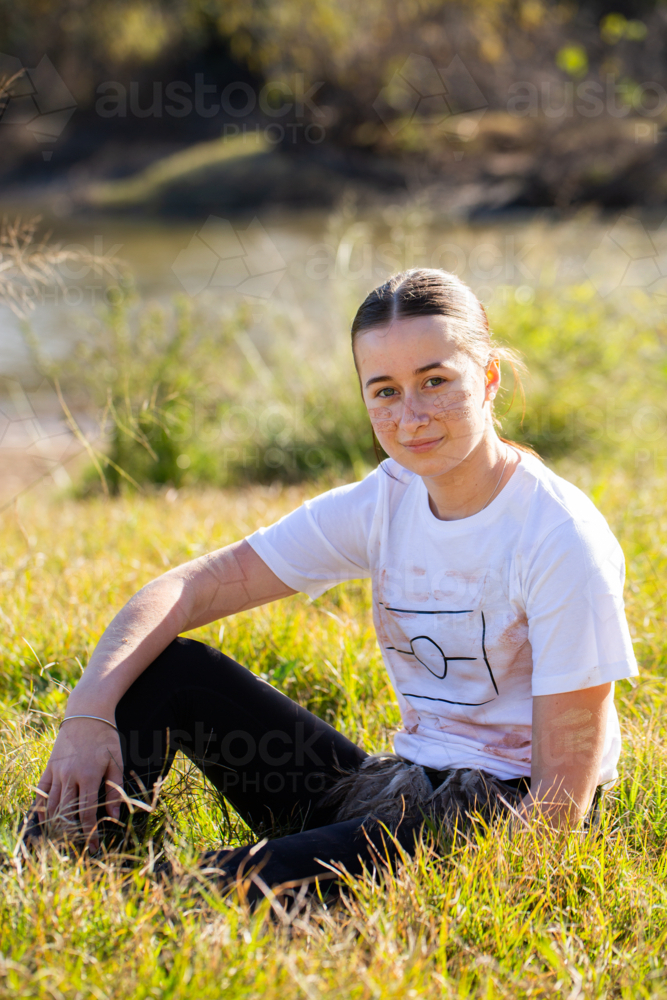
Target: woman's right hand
x=85 y=754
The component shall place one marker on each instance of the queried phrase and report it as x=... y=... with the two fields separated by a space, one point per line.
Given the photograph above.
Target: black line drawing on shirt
x=446 y=660
x=409 y=611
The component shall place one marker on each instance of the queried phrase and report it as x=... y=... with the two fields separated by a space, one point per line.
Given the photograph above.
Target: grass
x=221 y=407
x=499 y=916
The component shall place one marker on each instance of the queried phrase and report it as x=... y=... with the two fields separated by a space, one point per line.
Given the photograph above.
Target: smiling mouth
x=421 y=444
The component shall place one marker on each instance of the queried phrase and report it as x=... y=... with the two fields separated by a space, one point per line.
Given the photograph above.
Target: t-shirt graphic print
x=473 y=617
x=460 y=660
x=453 y=651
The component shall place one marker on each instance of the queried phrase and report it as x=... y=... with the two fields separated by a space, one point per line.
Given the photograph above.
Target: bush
x=182 y=398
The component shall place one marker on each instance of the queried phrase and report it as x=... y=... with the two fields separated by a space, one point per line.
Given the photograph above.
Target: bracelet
x=96 y=717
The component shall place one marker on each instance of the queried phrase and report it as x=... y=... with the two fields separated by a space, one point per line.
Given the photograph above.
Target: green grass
x=523 y=916
x=499 y=916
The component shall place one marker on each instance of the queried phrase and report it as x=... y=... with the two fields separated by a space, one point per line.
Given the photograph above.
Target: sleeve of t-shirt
x=323 y=542
x=574 y=603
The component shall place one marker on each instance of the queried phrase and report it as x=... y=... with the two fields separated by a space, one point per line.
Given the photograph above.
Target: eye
x=386 y=392
x=435 y=380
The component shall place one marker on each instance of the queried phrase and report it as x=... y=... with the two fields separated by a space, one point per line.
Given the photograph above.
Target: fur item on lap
x=394 y=790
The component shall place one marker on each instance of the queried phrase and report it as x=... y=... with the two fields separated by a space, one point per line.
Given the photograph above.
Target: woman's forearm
x=137 y=635
x=213 y=586
x=568 y=740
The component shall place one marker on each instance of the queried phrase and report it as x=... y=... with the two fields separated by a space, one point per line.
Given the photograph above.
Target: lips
x=419 y=444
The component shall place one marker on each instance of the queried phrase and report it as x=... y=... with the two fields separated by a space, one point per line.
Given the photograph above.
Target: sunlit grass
x=499 y=916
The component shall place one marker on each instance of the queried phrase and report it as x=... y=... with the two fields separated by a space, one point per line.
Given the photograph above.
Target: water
x=307 y=262
x=317 y=267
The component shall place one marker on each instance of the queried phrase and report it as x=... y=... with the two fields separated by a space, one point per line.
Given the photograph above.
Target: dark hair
x=433 y=292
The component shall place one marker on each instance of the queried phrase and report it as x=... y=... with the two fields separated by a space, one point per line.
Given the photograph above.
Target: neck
x=473 y=483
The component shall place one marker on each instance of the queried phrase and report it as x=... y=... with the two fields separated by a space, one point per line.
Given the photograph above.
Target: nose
x=414 y=415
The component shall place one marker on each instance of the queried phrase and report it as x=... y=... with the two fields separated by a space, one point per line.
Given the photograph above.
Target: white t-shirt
x=473 y=616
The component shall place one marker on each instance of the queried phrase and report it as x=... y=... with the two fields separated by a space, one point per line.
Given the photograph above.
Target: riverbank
x=468 y=166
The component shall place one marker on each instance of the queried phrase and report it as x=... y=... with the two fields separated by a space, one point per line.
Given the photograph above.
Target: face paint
x=382 y=419
x=571 y=734
x=453 y=405
x=425 y=396
x=452 y=398
x=574 y=742
x=574 y=717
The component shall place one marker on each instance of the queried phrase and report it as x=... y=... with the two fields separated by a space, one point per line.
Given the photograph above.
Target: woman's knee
x=184 y=663
x=184 y=658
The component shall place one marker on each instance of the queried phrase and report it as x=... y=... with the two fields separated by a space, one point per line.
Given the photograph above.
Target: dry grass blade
x=6 y=85
x=30 y=263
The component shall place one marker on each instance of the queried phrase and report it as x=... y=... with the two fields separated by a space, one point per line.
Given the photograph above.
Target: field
x=522 y=916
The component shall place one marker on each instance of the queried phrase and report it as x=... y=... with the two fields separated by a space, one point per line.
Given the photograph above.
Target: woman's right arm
x=86 y=751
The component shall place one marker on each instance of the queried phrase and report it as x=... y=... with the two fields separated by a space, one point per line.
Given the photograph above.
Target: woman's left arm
x=568 y=740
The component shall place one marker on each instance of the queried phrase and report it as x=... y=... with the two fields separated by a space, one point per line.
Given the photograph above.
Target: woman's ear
x=492 y=379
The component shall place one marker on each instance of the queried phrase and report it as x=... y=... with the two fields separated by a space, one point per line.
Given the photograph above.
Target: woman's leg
x=269 y=757
x=308 y=857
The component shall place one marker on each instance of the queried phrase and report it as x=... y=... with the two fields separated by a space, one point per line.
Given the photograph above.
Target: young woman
x=497 y=599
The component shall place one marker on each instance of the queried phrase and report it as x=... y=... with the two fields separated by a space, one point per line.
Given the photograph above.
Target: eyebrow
x=417 y=371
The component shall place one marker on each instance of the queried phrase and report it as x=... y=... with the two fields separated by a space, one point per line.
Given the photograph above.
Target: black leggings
x=271 y=759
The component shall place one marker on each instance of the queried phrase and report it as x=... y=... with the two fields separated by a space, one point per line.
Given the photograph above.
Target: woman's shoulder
x=554 y=501
x=389 y=475
x=552 y=486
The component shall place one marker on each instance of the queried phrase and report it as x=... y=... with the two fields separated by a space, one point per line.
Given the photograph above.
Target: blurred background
x=197 y=194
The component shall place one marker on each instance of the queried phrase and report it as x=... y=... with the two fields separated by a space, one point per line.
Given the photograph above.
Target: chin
x=426 y=464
